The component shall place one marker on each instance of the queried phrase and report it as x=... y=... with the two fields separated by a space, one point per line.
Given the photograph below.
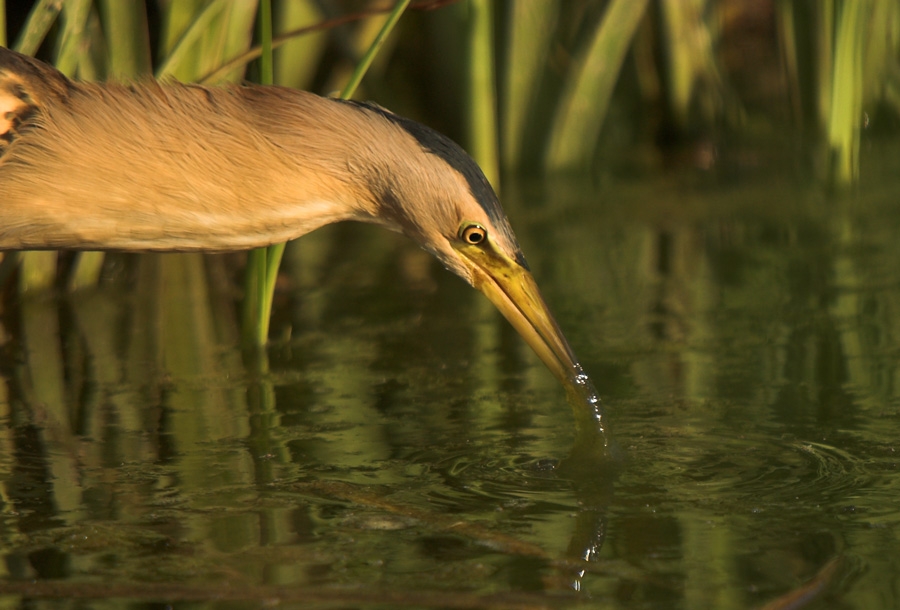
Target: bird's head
x=441 y=199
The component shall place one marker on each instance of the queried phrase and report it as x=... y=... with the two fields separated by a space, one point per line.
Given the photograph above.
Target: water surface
x=399 y=445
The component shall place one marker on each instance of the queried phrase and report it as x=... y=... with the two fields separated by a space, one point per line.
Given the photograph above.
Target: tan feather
x=167 y=166
x=154 y=166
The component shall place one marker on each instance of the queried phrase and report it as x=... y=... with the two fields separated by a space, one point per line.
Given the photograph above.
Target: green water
x=399 y=447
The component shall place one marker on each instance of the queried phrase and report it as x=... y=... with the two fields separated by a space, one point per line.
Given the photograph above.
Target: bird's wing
x=154 y=166
x=25 y=84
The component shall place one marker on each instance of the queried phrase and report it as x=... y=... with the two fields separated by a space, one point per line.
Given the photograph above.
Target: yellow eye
x=472 y=233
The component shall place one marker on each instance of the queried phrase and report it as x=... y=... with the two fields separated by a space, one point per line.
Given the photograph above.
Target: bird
x=167 y=166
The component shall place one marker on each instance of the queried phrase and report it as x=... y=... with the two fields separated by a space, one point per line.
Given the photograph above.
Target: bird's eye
x=472 y=233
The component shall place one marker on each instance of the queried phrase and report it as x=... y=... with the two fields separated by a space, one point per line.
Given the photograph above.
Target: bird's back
x=153 y=166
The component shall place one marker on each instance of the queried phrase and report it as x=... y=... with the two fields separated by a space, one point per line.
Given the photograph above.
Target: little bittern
x=174 y=167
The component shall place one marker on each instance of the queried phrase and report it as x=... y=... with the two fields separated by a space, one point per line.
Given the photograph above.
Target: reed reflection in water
x=401 y=438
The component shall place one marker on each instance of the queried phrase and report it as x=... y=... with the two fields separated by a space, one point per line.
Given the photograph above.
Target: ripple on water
x=722 y=469
x=504 y=481
x=807 y=470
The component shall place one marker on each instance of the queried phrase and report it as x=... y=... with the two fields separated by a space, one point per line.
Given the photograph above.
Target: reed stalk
x=70 y=47
x=297 y=60
x=689 y=55
x=846 y=94
x=824 y=57
x=790 y=56
x=366 y=61
x=482 y=106
x=589 y=87
x=257 y=309
x=263 y=263
x=181 y=48
x=40 y=20
x=530 y=27
x=127 y=39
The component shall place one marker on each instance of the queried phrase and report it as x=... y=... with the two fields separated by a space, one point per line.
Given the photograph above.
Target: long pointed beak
x=512 y=289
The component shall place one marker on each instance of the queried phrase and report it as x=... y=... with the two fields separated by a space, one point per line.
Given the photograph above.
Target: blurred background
x=584 y=87
x=546 y=84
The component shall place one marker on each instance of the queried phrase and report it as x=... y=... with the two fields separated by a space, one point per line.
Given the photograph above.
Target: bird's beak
x=512 y=289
